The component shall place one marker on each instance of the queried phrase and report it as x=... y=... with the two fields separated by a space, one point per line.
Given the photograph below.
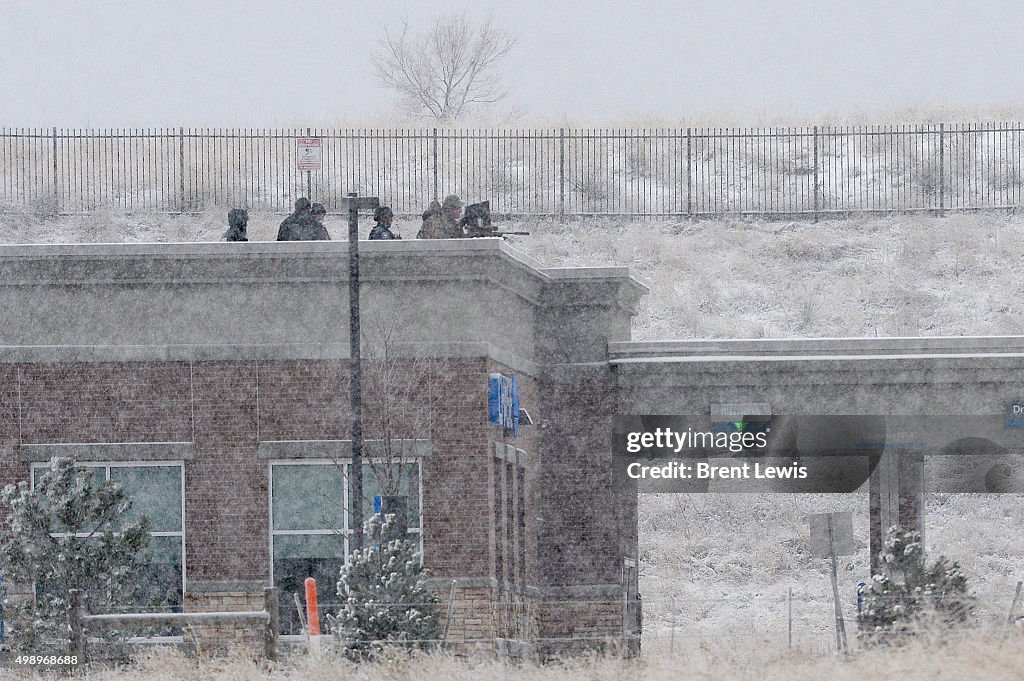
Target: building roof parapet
x=792 y=349
x=235 y=263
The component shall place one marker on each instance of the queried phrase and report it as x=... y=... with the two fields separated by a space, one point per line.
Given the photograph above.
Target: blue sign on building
x=503 y=402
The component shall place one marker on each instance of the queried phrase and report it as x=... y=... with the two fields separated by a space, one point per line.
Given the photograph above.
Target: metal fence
x=652 y=172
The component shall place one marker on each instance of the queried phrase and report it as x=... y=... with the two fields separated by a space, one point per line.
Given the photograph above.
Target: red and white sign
x=309 y=153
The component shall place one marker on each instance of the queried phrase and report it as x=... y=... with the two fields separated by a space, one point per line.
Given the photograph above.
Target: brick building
x=212 y=380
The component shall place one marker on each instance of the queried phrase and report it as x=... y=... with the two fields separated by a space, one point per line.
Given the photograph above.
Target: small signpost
x=309 y=156
x=831 y=536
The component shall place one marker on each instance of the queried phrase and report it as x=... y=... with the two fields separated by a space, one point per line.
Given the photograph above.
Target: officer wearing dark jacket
x=238 y=219
x=296 y=223
x=315 y=230
x=382 y=230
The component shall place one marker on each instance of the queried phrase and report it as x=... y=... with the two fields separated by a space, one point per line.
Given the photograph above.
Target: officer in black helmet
x=238 y=220
x=315 y=230
x=383 y=216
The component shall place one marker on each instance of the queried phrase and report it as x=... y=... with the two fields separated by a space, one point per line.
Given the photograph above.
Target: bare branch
x=398 y=395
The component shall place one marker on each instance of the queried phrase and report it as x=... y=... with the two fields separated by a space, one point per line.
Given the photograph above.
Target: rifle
x=477 y=232
x=477 y=222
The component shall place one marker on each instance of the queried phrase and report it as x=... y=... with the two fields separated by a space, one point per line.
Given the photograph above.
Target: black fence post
x=942 y=168
x=435 y=164
x=689 y=171
x=181 y=170
x=561 y=174
x=817 y=205
x=56 y=189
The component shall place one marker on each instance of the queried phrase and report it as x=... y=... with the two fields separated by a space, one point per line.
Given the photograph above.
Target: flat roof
x=794 y=349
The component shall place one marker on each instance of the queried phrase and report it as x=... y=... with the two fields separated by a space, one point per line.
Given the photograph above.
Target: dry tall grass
x=715 y=568
x=900 y=275
x=987 y=658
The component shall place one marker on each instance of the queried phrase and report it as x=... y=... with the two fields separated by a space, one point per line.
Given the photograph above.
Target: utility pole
x=355 y=203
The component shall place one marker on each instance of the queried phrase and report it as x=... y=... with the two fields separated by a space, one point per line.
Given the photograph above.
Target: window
x=155 y=489
x=310 y=527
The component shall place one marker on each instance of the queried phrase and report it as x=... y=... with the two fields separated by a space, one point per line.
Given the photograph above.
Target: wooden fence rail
x=81 y=623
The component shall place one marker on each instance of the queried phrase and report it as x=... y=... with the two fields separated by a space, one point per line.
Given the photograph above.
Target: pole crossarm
x=361 y=202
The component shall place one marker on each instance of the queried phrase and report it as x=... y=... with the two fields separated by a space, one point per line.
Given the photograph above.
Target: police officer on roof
x=442 y=221
x=383 y=216
x=238 y=220
x=316 y=230
x=291 y=226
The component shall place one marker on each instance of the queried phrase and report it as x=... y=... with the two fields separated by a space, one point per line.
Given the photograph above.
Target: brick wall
x=472 y=613
x=564 y=535
x=11 y=470
x=579 y=536
x=226 y=500
x=105 y=402
x=304 y=400
x=456 y=498
x=576 y=627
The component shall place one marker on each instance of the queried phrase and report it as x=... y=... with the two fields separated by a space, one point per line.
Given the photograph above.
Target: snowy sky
x=275 y=63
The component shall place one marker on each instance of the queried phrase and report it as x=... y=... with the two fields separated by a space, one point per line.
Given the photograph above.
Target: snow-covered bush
x=913 y=596
x=385 y=595
x=65 y=534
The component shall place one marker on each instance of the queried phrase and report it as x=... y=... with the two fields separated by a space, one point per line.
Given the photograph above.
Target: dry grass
x=982 y=657
x=717 y=567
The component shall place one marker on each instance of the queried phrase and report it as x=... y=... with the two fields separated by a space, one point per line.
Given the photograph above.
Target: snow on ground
x=900 y=275
x=720 y=565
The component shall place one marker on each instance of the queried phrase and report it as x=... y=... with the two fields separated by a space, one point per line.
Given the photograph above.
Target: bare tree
x=446 y=69
x=399 y=404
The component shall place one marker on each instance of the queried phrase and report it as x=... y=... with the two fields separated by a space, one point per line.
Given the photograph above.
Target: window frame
x=346 y=533
x=107 y=465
